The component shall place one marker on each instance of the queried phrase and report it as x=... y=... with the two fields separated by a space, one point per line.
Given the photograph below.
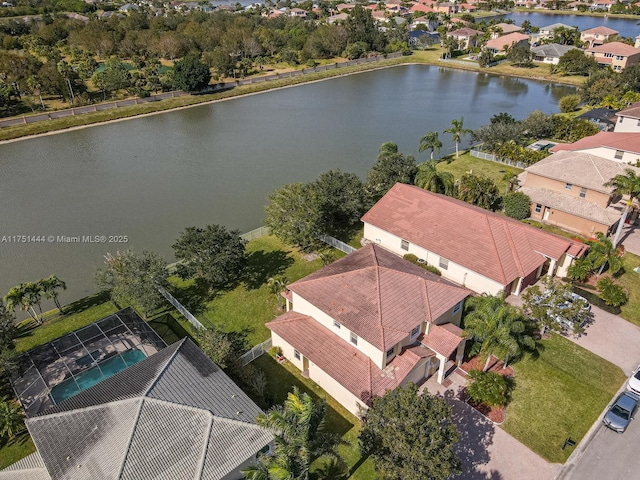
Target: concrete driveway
x=486 y=451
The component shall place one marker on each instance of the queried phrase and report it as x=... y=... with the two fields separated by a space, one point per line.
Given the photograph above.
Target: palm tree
x=11 y=418
x=19 y=297
x=624 y=184
x=33 y=294
x=512 y=180
x=497 y=329
x=579 y=270
x=49 y=287
x=276 y=287
x=601 y=253
x=298 y=428
x=431 y=179
x=430 y=142
x=457 y=131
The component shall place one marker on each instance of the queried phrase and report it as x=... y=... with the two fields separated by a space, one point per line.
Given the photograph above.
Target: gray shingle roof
x=552 y=50
x=174 y=416
x=30 y=467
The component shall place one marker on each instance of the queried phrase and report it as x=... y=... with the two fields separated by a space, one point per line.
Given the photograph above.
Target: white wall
x=610 y=153
x=627 y=124
x=563 y=265
x=456 y=273
x=301 y=305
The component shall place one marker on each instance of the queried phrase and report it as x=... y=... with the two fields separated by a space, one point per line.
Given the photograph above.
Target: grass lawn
x=465 y=163
x=250 y=305
x=630 y=280
x=555 y=230
x=559 y=395
x=281 y=380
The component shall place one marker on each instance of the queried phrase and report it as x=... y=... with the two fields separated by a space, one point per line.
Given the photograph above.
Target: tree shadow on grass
x=168 y=328
x=86 y=302
x=18 y=440
x=262 y=265
x=194 y=296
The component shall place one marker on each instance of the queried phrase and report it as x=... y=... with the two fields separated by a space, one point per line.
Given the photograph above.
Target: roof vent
x=239 y=412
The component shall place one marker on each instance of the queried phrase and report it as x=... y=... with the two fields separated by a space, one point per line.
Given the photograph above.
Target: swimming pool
x=106 y=369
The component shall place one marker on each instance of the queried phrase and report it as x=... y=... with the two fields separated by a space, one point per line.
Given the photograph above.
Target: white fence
x=257 y=233
x=255 y=352
x=493 y=158
x=181 y=308
x=335 y=243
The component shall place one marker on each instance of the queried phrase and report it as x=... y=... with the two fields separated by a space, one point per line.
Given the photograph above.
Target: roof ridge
x=427 y=303
x=45 y=416
x=164 y=367
x=495 y=248
x=378 y=294
x=133 y=429
x=205 y=448
x=514 y=250
x=597 y=169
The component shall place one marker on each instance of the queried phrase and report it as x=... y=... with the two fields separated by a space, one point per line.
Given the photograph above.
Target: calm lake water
x=149 y=178
x=628 y=27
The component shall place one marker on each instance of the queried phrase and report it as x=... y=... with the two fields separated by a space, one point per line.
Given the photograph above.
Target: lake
x=628 y=27
x=149 y=178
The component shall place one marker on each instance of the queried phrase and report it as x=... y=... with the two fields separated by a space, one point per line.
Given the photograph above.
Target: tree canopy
x=391 y=167
x=410 y=436
x=190 y=74
x=480 y=191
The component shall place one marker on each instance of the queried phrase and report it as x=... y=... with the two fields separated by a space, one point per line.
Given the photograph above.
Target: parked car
x=621 y=412
x=633 y=384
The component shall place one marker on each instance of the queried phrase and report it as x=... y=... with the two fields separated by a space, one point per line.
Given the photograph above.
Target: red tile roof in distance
x=625 y=141
x=616 y=48
x=378 y=295
x=342 y=361
x=497 y=247
x=631 y=111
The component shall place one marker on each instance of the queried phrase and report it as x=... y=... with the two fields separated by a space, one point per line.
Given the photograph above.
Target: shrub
x=569 y=103
x=517 y=205
x=275 y=351
x=596 y=300
x=612 y=293
x=410 y=257
x=489 y=388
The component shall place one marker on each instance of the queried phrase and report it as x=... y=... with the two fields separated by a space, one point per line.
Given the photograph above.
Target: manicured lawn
x=466 y=163
x=281 y=380
x=250 y=305
x=555 y=230
x=15 y=449
x=559 y=395
x=631 y=281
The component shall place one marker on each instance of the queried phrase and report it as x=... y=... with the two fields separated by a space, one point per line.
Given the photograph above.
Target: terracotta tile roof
x=441 y=340
x=342 y=361
x=508 y=27
x=504 y=41
x=616 y=48
x=465 y=32
x=632 y=111
x=628 y=142
x=492 y=245
x=581 y=169
x=599 y=31
x=378 y=295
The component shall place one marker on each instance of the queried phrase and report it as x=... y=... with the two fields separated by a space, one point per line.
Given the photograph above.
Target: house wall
x=599 y=198
x=563 y=265
x=301 y=305
x=456 y=273
x=579 y=225
x=627 y=125
x=604 y=152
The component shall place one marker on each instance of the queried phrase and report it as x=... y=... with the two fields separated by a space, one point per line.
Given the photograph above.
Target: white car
x=633 y=384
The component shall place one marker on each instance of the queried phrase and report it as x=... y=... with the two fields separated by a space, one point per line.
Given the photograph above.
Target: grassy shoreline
x=577 y=13
x=428 y=57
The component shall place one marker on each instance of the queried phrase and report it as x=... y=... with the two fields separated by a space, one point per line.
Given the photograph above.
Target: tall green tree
x=132 y=278
x=8 y=329
x=49 y=287
x=11 y=418
x=457 y=131
x=409 y=435
x=624 y=184
x=213 y=255
x=575 y=62
x=391 y=167
x=496 y=328
x=300 y=438
x=480 y=191
x=22 y=296
x=190 y=74
x=224 y=348
x=293 y=215
x=430 y=141
x=434 y=180
x=361 y=27
x=603 y=253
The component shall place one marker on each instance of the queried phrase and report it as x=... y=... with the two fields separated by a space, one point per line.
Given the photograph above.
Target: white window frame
x=297 y=355
x=443 y=263
x=392 y=350
x=415 y=332
x=538 y=208
x=619 y=154
x=353 y=338
x=404 y=245
x=457 y=307
x=337 y=324
x=568 y=186
x=583 y=193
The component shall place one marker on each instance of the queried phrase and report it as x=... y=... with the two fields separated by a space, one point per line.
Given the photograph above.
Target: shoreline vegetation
x=627 y=16
x=432 y=57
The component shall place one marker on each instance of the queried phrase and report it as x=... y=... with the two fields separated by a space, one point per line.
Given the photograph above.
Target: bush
x=596 y=300
x=517 y=205
x=569 y=103
x=612 y=293
x=489 y=388
x=275 y=351
x=410 y=257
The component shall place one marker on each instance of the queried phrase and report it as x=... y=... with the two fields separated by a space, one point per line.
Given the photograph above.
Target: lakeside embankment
x=426 y=57
x=577 y=13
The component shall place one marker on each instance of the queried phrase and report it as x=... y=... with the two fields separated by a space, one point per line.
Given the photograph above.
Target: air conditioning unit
x=420 y=260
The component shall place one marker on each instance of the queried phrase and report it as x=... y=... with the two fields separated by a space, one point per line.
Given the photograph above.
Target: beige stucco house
x=621 y=147
x=500 y=45
x=473 y=247
x=593 y=37
x=369 y=323
x=617 y=55
x=566 y=189
x=628 y=120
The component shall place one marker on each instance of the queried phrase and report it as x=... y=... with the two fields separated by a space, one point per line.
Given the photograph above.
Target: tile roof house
x=500 y=45
x=628 y=120
x=174 y=415
x=619 y=146
x=550 y=53
x=596 y=36
x=476 y=248
x=368 y=323
x=504 y=29
x=466 y=37
x=617 y=55
x=566 y=189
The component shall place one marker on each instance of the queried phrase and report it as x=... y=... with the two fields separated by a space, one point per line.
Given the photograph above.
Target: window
x=618 y=155
x=568 y=186
x=538 y=208
x=457 y=307
x=443 y=263
x=391 y=351
x=415 y=332
x=354 y=338
x=608 y=55
x=638 y=122
x=296 y=354
x=337 y=324
x=404 y=245
x=619 y=57
x=583 y=192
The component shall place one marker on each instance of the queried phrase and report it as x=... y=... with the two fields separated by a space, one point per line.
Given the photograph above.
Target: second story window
x=404 y=245
x=354 y=338
x=583 y=192
x=443 y=263
x=415 y=332
x=618 y=155
x=568 y=186
x=391 y=352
